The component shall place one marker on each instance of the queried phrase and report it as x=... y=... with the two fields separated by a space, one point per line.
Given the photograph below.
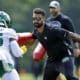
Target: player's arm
x=14 y=46
x=15 y=49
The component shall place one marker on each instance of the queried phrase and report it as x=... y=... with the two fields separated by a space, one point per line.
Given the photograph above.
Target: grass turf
x=29 y=77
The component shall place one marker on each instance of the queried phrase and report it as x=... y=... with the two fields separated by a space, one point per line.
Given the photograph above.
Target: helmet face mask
x=5 y=19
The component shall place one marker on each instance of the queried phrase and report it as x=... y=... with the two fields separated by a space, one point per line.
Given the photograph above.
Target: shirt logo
x=55 y=24
x=45 y=38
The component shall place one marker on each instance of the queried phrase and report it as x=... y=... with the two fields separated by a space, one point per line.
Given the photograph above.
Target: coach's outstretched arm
x=70 y=35
x=73 y=36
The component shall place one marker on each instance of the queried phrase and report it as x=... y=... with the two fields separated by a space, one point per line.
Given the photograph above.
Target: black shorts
x=52 y=70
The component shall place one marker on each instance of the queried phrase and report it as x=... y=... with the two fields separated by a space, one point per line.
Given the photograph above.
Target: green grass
x=26 y=77
x=29 y=77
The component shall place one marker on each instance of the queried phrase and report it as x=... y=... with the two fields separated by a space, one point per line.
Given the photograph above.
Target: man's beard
x=54 y=14
x=37 y=25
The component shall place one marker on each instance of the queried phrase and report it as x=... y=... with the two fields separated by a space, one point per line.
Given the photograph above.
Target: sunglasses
x=37 y=18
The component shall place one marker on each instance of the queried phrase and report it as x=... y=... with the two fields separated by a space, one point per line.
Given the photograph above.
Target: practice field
x=29 y=77
x=26 y=77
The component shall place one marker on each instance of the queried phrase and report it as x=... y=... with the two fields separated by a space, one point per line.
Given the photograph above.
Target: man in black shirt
x=52 y=39
x=60 y=20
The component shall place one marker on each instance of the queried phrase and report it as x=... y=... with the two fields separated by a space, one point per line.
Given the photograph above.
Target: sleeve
x=61 y=33
x=15 y=49
x=68 y=24
x=12 y=34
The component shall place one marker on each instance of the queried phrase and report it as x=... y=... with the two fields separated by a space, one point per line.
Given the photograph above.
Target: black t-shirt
x=53 y=41
x=62 y=21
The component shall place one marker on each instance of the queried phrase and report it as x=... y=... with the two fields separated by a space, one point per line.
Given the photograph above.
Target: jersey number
x=1 y=40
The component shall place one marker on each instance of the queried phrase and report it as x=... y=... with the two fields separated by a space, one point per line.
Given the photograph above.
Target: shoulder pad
x=11 y=33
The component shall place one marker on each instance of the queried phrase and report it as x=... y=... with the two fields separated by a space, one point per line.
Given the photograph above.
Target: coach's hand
x=24 y=49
